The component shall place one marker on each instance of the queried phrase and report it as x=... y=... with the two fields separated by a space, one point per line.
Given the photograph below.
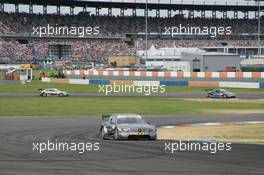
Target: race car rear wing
x=105 y=117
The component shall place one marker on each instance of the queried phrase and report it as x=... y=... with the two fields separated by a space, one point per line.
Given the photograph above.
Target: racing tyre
x=44 y=95
x=155 y=138
x=116 y=135
x=103 y=135
x=60 y=95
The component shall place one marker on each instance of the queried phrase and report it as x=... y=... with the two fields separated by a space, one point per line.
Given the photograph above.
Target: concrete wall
x=123 y=60
x=171 y=65
x=12 y=82
x=220 y=63
x=212 y=63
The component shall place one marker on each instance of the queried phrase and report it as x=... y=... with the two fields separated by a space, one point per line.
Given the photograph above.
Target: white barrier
x=238 y=84
x=78 y=81
x=146 y=83
x=45 y=80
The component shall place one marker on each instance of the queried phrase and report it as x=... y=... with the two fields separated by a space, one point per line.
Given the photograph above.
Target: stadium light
x=259 y=49
x=146 y=31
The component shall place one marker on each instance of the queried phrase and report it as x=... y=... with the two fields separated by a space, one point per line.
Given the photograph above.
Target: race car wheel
x=103 y=135
x=154 y=138
x=44 y=94
x=116 y=134
x=60 y=95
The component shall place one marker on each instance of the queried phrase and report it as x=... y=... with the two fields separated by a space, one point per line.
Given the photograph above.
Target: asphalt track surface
x=116 y=157
x=159 y=95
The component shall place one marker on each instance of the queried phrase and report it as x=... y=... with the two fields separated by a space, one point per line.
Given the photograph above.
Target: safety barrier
x=203 y=84
x=122 y=82
x=78 y=81
x=12 y=82
x=146 y=83
x=165 y=74
x=239 y=85
x=45 y=80
x=222 y=84
x=261 y=85
x=59 y=80
x=99 y=82
x=174 y=83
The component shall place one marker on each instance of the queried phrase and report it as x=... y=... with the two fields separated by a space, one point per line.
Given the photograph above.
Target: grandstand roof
x=203 y=53
x=141 y=5
x=63 y=37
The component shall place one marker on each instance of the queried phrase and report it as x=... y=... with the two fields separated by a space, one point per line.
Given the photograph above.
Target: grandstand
x=119 y=34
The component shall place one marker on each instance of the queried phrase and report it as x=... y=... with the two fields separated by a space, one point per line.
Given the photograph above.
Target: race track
x=159 y=95
x=116 y=157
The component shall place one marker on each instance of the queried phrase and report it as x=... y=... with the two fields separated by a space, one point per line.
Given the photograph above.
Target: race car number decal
x=140 y=133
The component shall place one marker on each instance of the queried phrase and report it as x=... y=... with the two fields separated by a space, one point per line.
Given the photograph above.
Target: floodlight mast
x=146 y=31
x=259 y=48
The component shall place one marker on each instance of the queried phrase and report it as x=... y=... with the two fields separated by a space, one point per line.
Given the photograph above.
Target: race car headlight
x=126 y=129
x=123 y=129
x=152 y=130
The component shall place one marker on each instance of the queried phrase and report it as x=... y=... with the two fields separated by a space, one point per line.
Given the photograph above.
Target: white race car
x=53 y=92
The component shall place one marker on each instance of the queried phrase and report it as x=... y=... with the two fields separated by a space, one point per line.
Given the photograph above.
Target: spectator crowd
x=110 y=26
x=23 y=23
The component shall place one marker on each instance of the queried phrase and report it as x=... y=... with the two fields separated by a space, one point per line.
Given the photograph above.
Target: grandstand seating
x=99 y=50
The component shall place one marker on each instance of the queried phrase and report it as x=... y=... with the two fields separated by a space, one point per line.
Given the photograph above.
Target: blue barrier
x=261 y=85
x=174 y=83
x=99 y=82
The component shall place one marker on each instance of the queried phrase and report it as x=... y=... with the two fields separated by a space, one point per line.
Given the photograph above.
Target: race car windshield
x=129 y=120
x=222 y=90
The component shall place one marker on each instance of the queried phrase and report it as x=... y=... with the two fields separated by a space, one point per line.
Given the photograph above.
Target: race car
x=220 y=93
x=127 y=126
x=53 y=92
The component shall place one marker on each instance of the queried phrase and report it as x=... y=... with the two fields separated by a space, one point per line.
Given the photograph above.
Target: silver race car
x=220 y=93
x=53 y=92
x=127 y=126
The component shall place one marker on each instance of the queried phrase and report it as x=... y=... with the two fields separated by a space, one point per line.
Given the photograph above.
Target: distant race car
x=53 y=92
x=127 y=126
x=220 y=93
